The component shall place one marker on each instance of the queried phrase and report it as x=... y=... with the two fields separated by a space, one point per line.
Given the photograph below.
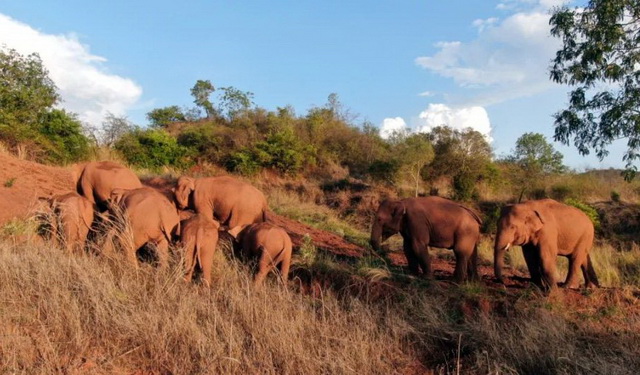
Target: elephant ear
x=537 y=221
x=397 y=214
x=183 y=189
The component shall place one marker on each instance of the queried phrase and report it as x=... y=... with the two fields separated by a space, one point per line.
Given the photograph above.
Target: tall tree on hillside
x=463 y=156
x=29 y=123
x=537 y=156
x=26 y=94
x=535 y=159
x=599 y=58
x=235 y=101
x=201 y=92
x=162 y=117
x=415 y=153
x=113 y=128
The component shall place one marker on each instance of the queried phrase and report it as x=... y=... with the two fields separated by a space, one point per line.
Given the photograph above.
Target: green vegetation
x=152 y=148
x=28 y=119
x=599 y=59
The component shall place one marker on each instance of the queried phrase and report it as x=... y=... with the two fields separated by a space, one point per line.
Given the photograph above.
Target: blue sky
x=396 y=63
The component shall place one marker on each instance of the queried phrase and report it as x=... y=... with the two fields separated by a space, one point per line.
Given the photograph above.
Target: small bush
x=242 y=162
x=562 y=192
x=615 y=196
x=588 y=210
x=152 y=148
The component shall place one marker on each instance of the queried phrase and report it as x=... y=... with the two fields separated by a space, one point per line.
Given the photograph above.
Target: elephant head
x=387 y=222
x=183 y=189
x=518 y=225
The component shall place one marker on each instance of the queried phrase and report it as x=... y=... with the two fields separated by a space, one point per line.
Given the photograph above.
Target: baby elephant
x=199 y=236
x=267 y=243
x=72 y=218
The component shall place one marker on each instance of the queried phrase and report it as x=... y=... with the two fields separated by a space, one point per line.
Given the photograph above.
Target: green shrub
x=562 y=192
x=62 y=138
x=384 y=170
x=152 y=148
x=242 y=162
x=464 y=187
x=615 y=196
x=588 y=210
x=203 y=142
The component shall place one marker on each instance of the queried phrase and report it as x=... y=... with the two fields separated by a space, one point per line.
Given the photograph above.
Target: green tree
x=27 y=115
x=599 y=58
x=235 y=101
x=537 y=156
x=26 y=95
x=63 y=138
x=162 y=117
x=201 y=92
x=415 y=153
x=464 y=156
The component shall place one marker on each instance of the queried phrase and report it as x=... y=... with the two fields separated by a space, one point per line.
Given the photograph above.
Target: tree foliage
x=152 y=148
x=235 y=101
x=537 y=156
x=27 y=114
x=162 y=117
x=201 y=92
x=599 y=58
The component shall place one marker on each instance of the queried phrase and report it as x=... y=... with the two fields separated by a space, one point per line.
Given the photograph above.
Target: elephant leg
x=462 y=261
x=472 y=265
x=590 y=277
x=576 y=261
x=206 y=257
x=548 y=263
x=284 y=267
x=162 y=251
x=532 y=258
x=422 y=253
x=189 y=260
x=412 y=259
x=264 y=266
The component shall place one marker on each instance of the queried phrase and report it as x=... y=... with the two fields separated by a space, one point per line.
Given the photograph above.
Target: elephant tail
x=198 y=246
x=592 y=272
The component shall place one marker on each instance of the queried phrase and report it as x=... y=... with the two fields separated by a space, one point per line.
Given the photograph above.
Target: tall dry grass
x=61 y=313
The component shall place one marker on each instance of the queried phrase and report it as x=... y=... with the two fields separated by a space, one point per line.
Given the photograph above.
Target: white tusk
x=508 y=246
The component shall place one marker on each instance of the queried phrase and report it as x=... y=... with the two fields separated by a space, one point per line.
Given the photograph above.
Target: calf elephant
x=96 y=181
x=545 y=229
x=269 y=244
x=430 y=221
x=72 y=218
x=228 y=200
x=199 y=236
x=152 y=219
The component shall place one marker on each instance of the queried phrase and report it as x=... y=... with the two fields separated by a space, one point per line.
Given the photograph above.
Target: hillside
x=345 y=308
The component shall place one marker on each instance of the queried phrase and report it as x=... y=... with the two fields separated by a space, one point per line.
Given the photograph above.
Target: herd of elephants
x=111 y=192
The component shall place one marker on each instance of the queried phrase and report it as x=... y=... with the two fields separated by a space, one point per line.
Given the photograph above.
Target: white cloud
x=474 y=117
x=427 y=93
x=509 y=57
x=389 y=125
x=85 y=85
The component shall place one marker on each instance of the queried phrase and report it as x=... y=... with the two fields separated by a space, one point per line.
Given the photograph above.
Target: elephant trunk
x=502 y=244
x=376 y=236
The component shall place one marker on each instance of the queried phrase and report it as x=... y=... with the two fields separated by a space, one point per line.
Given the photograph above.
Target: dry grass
x=93 y=314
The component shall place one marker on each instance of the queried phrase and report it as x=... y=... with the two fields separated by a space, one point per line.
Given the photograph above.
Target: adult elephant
x=545 y=229
x=96 y=180
x=231 y=202
x=430 y=221
x=152 y=219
